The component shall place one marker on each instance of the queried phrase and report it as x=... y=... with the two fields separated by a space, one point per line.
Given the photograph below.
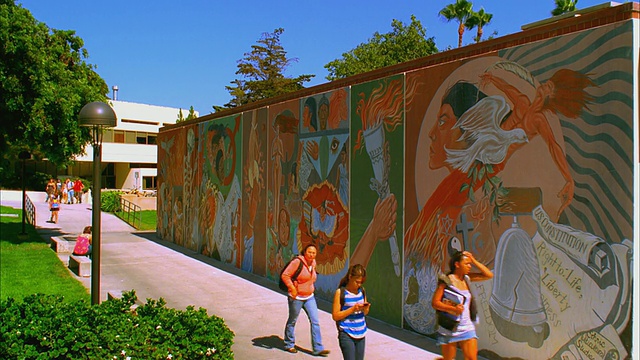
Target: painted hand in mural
x=384 y=218
x=381 y=227
x=312 y=149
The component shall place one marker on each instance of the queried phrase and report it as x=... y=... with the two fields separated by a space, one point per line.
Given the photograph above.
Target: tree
x=459 y=11
x=402 y=44
x=190 y=116
x=44 y=82
x=564 y=6
x=263 y=71
x=478 y=20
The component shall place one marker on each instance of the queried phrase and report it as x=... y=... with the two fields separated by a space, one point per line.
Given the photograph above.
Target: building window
x=118 y=136
x=109 y=176
x=107 y=136
x=149 y=182
x=141 y=138
x=130 y=137
x=142 y=166
x=151 y=139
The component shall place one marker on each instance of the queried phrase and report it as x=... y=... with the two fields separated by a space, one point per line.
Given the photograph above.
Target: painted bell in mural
x=516 y=301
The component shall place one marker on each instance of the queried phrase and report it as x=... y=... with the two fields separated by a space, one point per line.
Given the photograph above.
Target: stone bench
x=81 y=265
x=60 y=245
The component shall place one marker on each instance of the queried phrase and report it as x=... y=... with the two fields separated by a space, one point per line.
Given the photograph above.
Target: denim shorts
x=446 y=339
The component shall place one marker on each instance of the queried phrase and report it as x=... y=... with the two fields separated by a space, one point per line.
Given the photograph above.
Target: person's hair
x=456 y=257
x=569 y=97
x=354 y=270
x=87 y=230
x=304 y=250
x=462 y=96
x=313 y=107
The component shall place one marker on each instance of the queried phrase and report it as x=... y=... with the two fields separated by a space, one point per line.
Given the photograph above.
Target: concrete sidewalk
x=253 y=307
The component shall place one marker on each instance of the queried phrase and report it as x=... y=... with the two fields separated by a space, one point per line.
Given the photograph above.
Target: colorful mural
x=284 y=205
x=254 y=203
x=216 y=227
x=510 y=138
x=171 y=156
x=377 y=125
x=523 y=156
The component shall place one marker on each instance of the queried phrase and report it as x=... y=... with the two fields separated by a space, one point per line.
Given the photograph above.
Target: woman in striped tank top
x=350 y=307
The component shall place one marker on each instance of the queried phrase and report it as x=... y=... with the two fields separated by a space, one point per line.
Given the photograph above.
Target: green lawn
x=148 y=221
x=31 y=266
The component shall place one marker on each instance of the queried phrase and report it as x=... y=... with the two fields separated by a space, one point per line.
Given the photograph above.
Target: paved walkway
x=251 y=306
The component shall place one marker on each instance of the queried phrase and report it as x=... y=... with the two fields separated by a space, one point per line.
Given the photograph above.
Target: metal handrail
x=30 y=209
x=132 y=212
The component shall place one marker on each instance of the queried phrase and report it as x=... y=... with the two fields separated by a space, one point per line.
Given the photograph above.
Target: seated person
x=83 y=243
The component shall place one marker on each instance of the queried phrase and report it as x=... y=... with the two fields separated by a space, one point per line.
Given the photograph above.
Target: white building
x=129 y=151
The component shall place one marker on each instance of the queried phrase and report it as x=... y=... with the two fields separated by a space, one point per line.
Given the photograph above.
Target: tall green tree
x=191 y=115
x=478 y=20
x=402 y=44
x=460 y=12
x=263 y=71
x=564 y=6
x=44 y=82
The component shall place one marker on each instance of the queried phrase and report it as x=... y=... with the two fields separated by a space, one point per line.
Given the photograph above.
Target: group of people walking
x=350 y=306
x=69 y=192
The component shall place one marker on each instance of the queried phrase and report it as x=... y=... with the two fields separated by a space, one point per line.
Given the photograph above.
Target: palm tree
x=564 y=6
x=478 y=20
x=460 y=11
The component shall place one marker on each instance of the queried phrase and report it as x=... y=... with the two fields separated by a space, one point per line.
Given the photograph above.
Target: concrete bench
x=81 y=265
x=60 y=245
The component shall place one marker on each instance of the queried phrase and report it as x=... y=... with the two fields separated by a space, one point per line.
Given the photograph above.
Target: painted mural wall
x=523 y=156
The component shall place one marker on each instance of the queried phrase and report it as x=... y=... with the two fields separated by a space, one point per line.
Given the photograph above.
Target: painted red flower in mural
x=324 y=223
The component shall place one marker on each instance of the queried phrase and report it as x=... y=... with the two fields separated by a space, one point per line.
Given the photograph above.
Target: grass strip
x=30 y=266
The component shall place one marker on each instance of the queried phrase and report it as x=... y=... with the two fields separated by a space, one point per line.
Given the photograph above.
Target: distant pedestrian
x=350 y=306
x=65 y=192
x=70 y=183
x=54 y=207
x=301 y=297
x=78 y=187
x=83 y=243
x=49 y=189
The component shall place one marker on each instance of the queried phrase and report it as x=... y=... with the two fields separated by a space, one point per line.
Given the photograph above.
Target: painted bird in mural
x=487 y=141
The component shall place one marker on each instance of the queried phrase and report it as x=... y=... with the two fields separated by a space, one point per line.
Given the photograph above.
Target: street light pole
x=96 y=223
x=24 y=155
x=98 y=116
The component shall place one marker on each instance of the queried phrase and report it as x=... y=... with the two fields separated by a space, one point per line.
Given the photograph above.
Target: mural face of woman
x=323 y=115
x=306 y=117
x=443 y=136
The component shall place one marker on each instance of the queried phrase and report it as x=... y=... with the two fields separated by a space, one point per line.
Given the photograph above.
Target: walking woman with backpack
x=350 y=306
x=301 y=297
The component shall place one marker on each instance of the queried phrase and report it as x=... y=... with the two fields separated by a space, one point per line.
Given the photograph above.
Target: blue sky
x=184 y=53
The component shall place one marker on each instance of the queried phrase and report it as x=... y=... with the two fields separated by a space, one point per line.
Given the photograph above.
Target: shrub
x=43 y=326
x=110 y=201
x=37 y=181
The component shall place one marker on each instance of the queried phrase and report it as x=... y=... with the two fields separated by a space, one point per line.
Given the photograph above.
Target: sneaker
x=292 y=350
x=324 y=353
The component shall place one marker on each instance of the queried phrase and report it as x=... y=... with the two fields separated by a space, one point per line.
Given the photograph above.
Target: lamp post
x=97 y=115
x=24 y=156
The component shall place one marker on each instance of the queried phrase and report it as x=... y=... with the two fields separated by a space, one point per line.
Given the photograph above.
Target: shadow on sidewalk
x=276 y=342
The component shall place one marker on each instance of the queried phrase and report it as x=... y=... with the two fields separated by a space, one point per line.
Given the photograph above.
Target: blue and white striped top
x=354 y=325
